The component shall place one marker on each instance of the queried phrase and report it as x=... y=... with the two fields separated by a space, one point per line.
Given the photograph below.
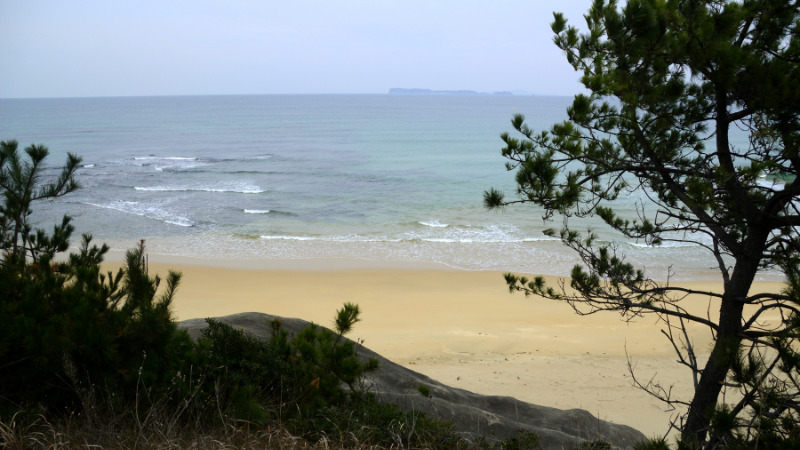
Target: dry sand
x=462 y=328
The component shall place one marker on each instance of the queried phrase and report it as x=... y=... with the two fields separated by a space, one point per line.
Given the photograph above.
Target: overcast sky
x=87 y=48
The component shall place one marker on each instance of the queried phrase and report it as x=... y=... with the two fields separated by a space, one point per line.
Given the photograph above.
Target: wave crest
x=239 y=189
x=145 y=210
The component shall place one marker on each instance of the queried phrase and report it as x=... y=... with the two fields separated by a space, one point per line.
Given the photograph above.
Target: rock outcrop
x=472 y=415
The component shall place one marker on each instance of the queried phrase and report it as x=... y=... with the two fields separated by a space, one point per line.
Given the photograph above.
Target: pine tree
x=19 y=181
x=71 y=332
x=667 y=81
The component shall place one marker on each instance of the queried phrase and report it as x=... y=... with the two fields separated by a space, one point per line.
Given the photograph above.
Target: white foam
x=771 y=184
x=466 y=234
x=162 y=163
x=459 y=234
x=240 y=189
x=256 y=211
x=433 y=224
x=164 y=158
x=144 y=210
x=540 y=239
x=181 y=223
x=289 y=238
x=489 y=234
x=664 y=244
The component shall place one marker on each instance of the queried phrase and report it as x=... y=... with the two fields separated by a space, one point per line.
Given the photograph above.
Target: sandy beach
x=462 y=328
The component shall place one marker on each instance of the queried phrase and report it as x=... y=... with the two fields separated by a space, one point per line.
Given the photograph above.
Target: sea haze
x=376 y=177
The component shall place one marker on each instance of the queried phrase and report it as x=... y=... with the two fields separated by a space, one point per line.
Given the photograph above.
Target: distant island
x=404 y=91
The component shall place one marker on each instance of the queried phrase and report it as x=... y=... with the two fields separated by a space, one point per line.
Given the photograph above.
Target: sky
x=98 y=48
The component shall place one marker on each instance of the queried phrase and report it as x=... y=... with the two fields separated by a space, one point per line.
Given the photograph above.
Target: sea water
x=380 y=178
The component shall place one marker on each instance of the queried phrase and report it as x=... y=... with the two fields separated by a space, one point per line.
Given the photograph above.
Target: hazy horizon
x=244 y=47
x=500 y=93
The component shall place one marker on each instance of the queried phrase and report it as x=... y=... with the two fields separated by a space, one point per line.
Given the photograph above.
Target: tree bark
x=716 y=370
x=726 y=345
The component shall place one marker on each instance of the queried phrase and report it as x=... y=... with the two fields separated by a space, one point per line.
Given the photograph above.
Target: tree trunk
x=726 y=345
x=728 y=339
x=715 y=371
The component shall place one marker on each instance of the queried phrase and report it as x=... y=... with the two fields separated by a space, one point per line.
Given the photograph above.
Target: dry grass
x=71 y=433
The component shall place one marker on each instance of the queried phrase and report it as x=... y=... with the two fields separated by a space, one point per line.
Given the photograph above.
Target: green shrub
x=524 y=440
x=659 y=443
x=362 y=418
x=425 y=391
x=71 y=333
x=71 y=330
x=324 y=360
x=235 y=363
x=294 y=377
x=310 y=383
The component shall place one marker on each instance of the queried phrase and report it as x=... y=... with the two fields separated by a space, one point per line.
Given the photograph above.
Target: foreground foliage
x=668 y=80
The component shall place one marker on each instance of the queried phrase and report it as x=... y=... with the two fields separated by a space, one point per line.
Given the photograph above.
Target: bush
x=310 y=384
x=70 y=332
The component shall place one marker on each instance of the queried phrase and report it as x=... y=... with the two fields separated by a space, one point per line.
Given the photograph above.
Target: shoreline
x=547 y=257
x=460 y=327
x=313 y=264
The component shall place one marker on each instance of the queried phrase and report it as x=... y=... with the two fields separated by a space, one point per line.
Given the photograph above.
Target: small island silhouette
x=406 y=91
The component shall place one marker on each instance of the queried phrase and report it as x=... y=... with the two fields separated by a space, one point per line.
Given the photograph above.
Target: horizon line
x=435 y=92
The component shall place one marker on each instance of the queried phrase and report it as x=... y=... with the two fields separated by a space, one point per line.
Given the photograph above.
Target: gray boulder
x=472 y=415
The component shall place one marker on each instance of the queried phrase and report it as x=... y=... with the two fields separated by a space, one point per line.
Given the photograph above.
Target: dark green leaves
x=347 y=317
x=493 y=198
x=20 y=185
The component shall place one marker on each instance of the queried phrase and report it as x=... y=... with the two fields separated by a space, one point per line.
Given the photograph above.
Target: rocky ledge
x=472 y=415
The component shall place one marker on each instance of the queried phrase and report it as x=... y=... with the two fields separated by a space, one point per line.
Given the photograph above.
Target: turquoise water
x=385 y=178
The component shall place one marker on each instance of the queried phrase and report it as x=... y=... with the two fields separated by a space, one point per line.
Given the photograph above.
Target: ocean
x=386 y=179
